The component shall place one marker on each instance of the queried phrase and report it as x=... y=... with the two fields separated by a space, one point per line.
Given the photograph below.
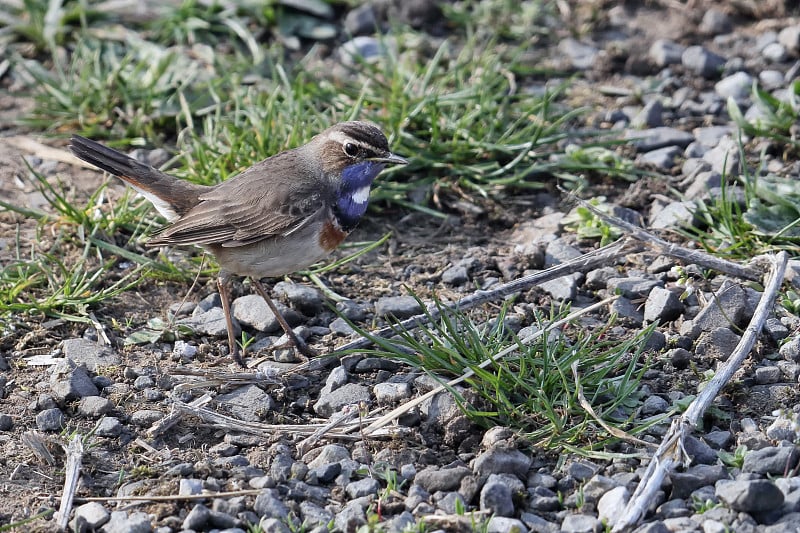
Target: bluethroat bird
x=281 y=215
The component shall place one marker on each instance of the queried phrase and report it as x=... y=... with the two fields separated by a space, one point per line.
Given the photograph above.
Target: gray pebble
x=307 y=300
x=348 y=394
x=773 y=460
x=455 y=275
x=581 y=55
x=673 y=214
x=389 y=393
x=611 y=505
x=248 y=403
x=664 y=52
x=433 y=479
x=94 y=406
x=662 y=305
x=109 y=426
x=496 y=497
x=767 y=374
x=89 y=517
x=146 y=417
x=719 y=344
x=70 y=382
x=564 y=288
x=122 y=522
x=789 y=37
x=632 y=287
x=313 y=515
x=503 y=524
x=702 y=61
x=399 y=307
x=752 y=496
x=502 y=460
x=6 y=422
x=661 y=159
x=50 y=420
x=774 y=53
x=655 y=138
x=694 y=477
x=268 y=505
x=360 y=20
x=89 y=353
x=715 y=22
x=449 y=502
x=775 y=329
x=211 y=322
x=581 y=523
x=363 y=487
x=197 y=518
x=654 y=405
x=783 y=428
x=718 y=439
x=339 y=326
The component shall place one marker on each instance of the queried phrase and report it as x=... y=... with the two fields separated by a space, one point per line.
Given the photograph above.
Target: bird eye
x=351 y=149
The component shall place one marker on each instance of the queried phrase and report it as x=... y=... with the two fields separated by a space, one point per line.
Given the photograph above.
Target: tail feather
x=172 y=197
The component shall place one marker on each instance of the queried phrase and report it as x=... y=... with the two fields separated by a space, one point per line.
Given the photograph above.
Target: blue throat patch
x=353 y=195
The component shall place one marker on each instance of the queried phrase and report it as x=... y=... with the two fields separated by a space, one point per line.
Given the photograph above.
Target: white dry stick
x=671 y=452
x=73 y=470
x=389 y=417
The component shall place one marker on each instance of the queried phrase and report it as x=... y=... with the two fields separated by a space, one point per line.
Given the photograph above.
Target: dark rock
x=753 y=496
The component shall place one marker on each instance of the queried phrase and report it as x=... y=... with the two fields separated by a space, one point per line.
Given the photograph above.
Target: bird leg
x=224 y=295
x=299 y=343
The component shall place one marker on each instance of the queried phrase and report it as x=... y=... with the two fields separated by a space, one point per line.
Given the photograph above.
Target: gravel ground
x=661 y=74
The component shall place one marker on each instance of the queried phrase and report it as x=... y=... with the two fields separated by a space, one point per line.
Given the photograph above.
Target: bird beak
x=390 y=159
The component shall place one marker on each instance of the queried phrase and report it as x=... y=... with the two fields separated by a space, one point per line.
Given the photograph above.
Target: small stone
x=751 y=496
x=582 y=470
x=502 y=524
x=399 y=307
x=307 y=300
x=70 y=382
x=89 y=354
x=211 y=323
x=6 y=422
x=360 y=20
x=694 y=477
x=188 y=487
x=249 y=403
x=146 y=417
x=581 y=523
x=433 y=479
x=655 y=138
x=718 y=439
x=611 y=505
x=673 y=214
x=664 y=52
x=724 y=158
x=496 y=497
x=269 y=506
x=90 y=517
x=363 y=487
x=348 y=394
x=502 y=460
x=197 y=518
x=715 y=22
x=717 y=344
x=564 y=288
x=389 y=393
x=650 y=116
x=314 y=515
x=767 y=374
x=581 y=56
x=50 y=420
x=94 y=406
x=728 y=305
x=122 y=522
x=662 y=305
x=660 y=159
x=340 y=327
x=654 y=405
x=772 y=460
x=774 y=53
x=789 y=37
x=702 y=61
x=108 y=426
x=738 y=86
x=455 y=275
x=632 y=287
x=783 y=428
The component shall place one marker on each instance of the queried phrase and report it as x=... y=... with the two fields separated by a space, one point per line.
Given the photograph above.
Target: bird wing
x=273 y=198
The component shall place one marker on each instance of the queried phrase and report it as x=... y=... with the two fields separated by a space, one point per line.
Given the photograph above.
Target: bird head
x=352 y=154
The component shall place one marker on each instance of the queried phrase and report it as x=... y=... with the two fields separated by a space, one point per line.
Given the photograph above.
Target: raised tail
x=172 y=197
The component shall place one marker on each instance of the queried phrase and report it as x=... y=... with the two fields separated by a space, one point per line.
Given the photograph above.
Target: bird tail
x=172 y=197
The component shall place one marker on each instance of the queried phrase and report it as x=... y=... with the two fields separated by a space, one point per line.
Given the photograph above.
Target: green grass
x=534 y=390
